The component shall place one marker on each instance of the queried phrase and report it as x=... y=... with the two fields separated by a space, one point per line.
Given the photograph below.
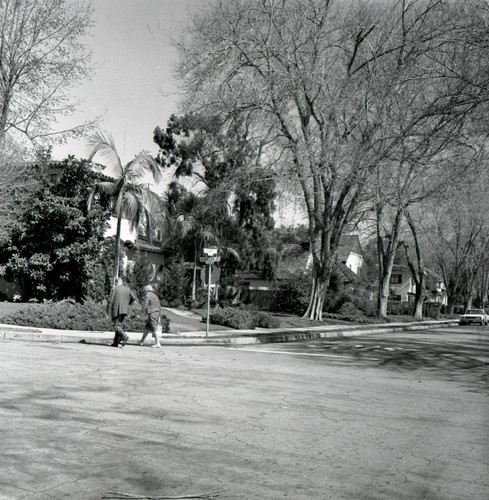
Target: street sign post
x=210 y=257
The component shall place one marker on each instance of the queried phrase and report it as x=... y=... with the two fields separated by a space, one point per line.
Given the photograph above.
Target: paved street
x=460 y=353
x=396 y=416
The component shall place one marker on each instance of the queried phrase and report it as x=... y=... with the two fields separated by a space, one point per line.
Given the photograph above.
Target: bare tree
x=41 y=57
x=317 y=74
x=458 y=236
x=426 y=138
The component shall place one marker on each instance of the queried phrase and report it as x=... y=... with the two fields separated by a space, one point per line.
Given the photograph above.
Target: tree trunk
x=420 y=294
x=384 y=290
x=483 y=287
x=323 y=259
x=315 y=308
x=193 y=298
x=117 y=248
x=386 y=257
x=419 y=275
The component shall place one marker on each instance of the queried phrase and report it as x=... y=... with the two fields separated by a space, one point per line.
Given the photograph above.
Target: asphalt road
x=397 y=416
x=455 y=353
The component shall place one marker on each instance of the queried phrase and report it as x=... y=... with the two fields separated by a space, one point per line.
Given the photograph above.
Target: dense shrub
x=266 y=320
x=432 y=310
x=175 y=285
x=229 y=296
x=291 y=296
x=359 y=319
x=70 y=315
x=363 y=306
x=140 y=275
x=54 y=247
x=242 y=318
x=334 y=301
x=232 y=317
x=398 y=308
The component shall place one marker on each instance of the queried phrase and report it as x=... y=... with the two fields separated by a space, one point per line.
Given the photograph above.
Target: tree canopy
x=52 y=252
x=42 y=56
x=338 y=92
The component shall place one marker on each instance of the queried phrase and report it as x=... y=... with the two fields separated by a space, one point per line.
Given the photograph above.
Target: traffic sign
x=210 y=252
x=210 y=260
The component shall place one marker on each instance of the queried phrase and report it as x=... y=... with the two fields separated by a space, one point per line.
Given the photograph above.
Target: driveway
x=256 y=423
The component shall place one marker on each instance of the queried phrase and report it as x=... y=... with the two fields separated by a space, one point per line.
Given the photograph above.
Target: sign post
x=210 y=257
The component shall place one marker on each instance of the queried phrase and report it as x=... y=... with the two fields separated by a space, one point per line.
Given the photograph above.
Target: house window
x=396 y=279
x=157 y=234
x=396 y=298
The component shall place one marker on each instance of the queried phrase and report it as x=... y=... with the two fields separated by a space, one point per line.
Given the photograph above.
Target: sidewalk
x=217 y=337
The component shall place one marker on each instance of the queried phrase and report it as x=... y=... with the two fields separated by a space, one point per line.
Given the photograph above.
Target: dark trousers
x=118 y=323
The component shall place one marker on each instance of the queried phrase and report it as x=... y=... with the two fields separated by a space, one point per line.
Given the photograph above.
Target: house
x=436 y=291
x=402 y=285
x=137 y=243
x=295 y=258
x=350 y=253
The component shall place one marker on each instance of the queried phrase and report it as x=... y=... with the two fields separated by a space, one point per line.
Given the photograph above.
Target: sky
x=131 y=89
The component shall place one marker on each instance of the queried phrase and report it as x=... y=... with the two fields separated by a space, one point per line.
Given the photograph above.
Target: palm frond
x=130 y=206
x=185 y=226
x=231 y=251
x=104 y=147
x=105 y=188
x=206 y=235
x=154 y=204
x=142 y=164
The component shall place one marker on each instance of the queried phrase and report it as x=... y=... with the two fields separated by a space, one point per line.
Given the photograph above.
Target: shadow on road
x=465 y=362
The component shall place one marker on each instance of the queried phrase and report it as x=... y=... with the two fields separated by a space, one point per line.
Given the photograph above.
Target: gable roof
x=347 y=272
x=349 y=243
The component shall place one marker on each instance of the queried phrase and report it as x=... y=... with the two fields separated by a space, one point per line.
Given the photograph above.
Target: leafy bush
x=266 y=320
x=397 y=308
x=432 y=310
x=229 y=296
x=140 y=275
x=238 y=318
x=334 y=302
x=242 y=318
x=70 y=315
x=175 y=285
x=291 y=296
x=358 y=319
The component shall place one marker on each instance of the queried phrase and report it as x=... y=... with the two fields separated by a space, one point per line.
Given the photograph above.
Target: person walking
x=118 y=307
x=152 y=310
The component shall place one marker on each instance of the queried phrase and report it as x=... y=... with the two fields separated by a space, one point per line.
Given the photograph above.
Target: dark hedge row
x=70 y=315
x=242 y=319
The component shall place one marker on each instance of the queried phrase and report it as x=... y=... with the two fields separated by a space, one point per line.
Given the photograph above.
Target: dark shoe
x=114 y=345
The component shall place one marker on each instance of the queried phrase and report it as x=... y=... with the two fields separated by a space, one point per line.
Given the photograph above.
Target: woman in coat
x=152 y=310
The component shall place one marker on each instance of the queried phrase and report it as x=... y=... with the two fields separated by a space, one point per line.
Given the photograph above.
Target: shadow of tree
x=467 y=362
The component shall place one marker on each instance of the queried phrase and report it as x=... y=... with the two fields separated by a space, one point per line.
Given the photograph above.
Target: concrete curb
x=215 y=338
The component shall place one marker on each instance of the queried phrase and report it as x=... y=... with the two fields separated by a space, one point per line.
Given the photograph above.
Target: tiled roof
x=148 y=248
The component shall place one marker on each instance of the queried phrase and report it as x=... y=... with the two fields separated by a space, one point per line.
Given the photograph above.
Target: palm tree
x=130 y=197
x=189 y=218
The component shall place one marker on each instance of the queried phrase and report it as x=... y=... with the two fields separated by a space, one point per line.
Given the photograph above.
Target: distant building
x=296 y=258
x=402 y=285
x=137 y=243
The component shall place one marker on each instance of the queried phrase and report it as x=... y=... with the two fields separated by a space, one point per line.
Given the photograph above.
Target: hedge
x=70 y=315
x=242 y=318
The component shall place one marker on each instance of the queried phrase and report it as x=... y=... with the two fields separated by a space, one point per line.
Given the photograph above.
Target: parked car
x=474 y=316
